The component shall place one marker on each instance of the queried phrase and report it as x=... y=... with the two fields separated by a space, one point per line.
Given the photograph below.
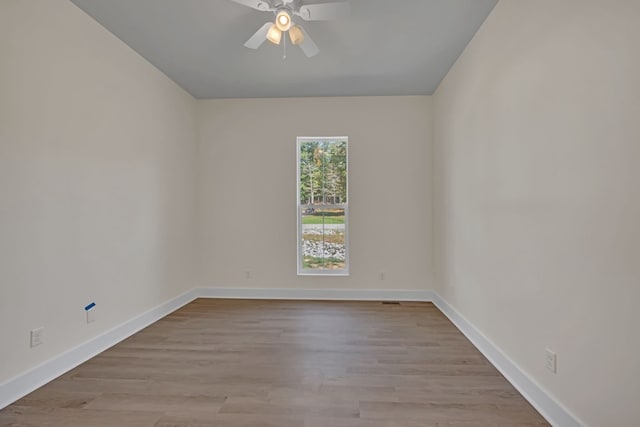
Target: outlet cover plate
x=550 y=361
x=37 y=336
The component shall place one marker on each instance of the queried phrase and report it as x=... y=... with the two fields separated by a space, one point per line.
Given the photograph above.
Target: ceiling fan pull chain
x=284 y=45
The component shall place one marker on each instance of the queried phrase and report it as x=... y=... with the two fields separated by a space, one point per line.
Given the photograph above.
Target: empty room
x=310 y=213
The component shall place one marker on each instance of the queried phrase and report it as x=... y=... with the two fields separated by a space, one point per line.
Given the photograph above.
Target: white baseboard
x=25 y=383
x=552 y=410
x=317 y=294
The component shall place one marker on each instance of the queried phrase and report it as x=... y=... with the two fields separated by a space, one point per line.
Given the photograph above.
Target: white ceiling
x=385 y=47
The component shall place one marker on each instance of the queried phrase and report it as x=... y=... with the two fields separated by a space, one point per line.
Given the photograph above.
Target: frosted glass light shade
x=296 y=35
x=283 y=20
x=274 y=35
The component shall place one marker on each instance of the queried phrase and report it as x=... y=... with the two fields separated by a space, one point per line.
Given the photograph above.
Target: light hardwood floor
x=284 y=363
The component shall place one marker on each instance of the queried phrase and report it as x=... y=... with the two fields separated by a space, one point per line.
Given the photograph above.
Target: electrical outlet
x=382 y=275
x=550 y=361
x=37 y=336
x=247 y=274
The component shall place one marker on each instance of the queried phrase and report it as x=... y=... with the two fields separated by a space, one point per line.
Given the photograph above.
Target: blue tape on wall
x=90 y=306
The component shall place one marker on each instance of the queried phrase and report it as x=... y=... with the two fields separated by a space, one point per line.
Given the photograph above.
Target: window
x=323 y=209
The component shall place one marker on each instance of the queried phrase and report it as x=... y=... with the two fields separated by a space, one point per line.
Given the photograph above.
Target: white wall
x=537 y=196
x=97 y=152
x=247 y=190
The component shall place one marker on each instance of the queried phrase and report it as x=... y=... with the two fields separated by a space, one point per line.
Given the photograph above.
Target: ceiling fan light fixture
x=283 y=20
x=296 y=35
x=274 y=35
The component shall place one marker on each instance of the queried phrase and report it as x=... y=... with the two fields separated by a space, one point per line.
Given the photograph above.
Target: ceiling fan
x=284 y=11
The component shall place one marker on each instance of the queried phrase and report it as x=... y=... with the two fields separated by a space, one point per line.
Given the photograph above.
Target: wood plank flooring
x=241 y=363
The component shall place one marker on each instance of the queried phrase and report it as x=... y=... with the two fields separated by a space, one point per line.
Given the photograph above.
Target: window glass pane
x=323 y=172
x=323 y=238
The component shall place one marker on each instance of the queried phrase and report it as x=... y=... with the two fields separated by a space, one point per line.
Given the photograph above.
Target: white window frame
x=299 y=207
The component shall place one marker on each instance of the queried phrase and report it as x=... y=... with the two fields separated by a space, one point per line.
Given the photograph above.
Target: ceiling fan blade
x=255 y=4
x=259 y=37
x=308 y=46
x=324 y=11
